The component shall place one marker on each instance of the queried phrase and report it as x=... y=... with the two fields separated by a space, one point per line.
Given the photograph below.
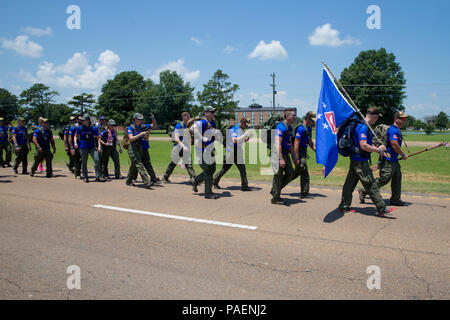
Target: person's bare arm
x=53 y=145
x=396 y=147
x=36 y=143
x=369 y=148
x=296 y=152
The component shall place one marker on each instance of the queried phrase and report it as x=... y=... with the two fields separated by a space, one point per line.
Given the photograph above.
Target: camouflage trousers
x=189 y=167
x=6 y=146
x=137 y=158
x=389 y=172
x=282 y=177
x=302 y=172
x=206 y=176
x=22 y=157
x=361 y=171
x=230 y=158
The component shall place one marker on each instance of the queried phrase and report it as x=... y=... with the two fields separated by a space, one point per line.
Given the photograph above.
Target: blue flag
x=333 y=109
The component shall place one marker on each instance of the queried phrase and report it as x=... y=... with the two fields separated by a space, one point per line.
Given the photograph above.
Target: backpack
x=295 y=131
x=266 y=128
x=61 y=132
x=346 y=137
x=381 y=132
x=126 y=140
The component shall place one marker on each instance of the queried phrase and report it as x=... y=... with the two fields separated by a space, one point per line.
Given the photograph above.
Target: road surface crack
x=412 y=271
x=377 y=232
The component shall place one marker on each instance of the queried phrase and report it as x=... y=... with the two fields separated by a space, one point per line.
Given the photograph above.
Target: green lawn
x=436 y=137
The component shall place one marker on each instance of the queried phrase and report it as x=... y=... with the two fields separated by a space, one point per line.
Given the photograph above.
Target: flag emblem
x=331 y=121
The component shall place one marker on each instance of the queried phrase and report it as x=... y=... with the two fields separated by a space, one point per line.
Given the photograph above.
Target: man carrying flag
x=360 y=169
x=333 y=110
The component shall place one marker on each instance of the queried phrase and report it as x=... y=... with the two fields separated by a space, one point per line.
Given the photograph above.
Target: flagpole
x=351 y=101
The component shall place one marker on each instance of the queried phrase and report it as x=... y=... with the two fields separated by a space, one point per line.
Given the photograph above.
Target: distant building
x=256 y=113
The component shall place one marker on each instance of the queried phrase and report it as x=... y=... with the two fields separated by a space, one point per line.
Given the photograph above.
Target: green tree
x=83 y=103
x=219 y=93
x=441 y=121
x=418 y=124
x=59 y=114
x=376 y=79
x=119 y=95
x=429 y=128
x=38 y=99
x=9 y=105
x=410 y=121
x=168 y=99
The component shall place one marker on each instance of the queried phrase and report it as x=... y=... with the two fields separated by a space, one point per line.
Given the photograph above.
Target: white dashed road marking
x=170 y=216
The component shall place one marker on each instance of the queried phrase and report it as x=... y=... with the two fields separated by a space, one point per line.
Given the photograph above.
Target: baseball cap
x=2 y=119
x=102 y=118
x=209 y=109
x=21 y=119
x=44 y=119
x=311 y=115
x=111 y=122
x=72 y=118
x=138 y=116
x=401 y=114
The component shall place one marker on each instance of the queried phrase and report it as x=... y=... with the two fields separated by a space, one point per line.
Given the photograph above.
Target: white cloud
x=273 y=50
x=15 y=88
x=76 y=72
x=421 y=110
x=197 y=41
x=229 y=49
x=327 y=36
x=38 y=32
x=23 y=46
x=178 y=67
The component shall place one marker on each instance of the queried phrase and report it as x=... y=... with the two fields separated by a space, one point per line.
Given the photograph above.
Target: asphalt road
x=306 y=250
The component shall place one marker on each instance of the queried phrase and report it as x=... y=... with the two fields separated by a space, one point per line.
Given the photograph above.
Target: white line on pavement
x=169 y=216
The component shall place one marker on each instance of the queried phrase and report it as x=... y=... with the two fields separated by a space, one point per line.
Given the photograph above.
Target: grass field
x=428 y=172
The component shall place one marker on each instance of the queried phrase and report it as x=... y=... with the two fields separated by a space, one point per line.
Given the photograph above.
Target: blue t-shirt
x=4 y=133
x=21 y=135
x=135 y=132
x=362 y=133
x=66 y=130
x=180 y=128
x=87 y=135
x=234 y=132
x=280 y=131
x=304 y=135
x=393 y=133
x=43 y=137
x=204 y=125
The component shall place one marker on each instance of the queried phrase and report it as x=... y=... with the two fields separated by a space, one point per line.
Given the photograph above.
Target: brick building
x=256 y=113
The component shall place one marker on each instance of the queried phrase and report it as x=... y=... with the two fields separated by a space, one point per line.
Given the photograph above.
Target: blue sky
x=248 y=40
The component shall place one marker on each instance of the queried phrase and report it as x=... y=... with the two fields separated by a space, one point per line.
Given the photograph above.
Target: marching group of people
x=289 y=153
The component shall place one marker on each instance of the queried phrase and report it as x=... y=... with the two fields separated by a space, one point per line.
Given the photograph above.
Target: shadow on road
x=333 y=216
x=312 y=195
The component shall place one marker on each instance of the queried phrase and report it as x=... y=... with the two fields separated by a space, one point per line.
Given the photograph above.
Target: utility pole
x=273 y=91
